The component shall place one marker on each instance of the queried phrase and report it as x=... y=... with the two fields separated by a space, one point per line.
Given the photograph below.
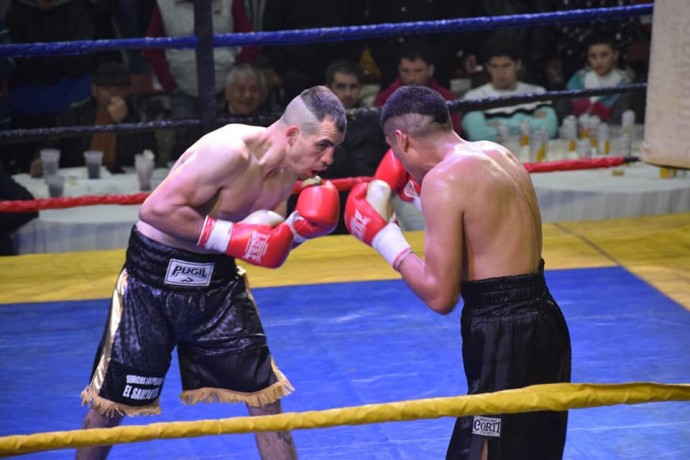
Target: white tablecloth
x=563 y=196
x=85 y=228
x=82 y=228
x=599 y=194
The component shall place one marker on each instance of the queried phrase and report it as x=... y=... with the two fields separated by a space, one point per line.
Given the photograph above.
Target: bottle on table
x=603 y=144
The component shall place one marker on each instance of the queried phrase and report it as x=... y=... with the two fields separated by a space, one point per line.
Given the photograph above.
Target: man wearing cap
x=109 y=104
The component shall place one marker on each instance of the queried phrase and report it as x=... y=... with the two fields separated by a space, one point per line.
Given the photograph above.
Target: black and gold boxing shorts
x=201 y=304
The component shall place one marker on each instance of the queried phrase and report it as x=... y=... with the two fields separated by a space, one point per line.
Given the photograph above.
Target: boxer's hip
x=166 y=267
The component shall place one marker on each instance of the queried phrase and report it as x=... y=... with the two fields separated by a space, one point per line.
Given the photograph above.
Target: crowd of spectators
x=68 y=90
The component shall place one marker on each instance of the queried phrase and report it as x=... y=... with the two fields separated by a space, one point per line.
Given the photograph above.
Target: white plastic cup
x=94 y=161
x=625 y=145
x=144 y=166
x=56 y=185
x=50 y=159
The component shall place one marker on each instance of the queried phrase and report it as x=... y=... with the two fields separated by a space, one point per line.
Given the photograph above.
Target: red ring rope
x=341 y=184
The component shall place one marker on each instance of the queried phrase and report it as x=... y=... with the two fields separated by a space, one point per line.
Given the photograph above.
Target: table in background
x=598 y=194
x=82 y=228
x=563 y=196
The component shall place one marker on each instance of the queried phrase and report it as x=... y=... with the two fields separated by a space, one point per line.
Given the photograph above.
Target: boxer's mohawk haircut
x=322 y=103
x=415 y=102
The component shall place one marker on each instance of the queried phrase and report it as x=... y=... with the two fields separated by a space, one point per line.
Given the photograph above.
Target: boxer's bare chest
x=239 y=199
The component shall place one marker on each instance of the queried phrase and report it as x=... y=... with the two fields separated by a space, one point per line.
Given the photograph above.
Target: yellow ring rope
x=555 y=397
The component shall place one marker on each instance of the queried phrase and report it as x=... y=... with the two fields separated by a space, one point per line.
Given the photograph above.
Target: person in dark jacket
x=364 y=145
x=109 y=103
x=453 y=53
x=302 y=66
x=416 y=67
x=10 y=222
x=43 y=86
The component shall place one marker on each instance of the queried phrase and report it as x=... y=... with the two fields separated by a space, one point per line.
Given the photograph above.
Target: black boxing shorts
x=514 y=335
x=167 y=297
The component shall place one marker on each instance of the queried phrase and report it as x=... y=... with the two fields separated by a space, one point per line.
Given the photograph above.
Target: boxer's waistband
x=505 y=290
x=172 y=268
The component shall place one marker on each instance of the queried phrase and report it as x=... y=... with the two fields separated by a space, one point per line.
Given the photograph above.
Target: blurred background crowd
x=154 y=84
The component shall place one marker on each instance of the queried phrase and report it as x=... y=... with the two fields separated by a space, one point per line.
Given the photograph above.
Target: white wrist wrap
x=391 y=244
x=215 y=235
x=296 y=237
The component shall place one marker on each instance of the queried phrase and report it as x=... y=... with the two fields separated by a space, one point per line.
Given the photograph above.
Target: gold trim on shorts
x=89 y=396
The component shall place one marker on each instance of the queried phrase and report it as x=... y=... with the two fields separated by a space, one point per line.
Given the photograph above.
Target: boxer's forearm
x=439 y=298
x=183 y=222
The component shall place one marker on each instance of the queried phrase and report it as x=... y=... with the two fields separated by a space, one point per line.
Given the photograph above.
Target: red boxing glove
x=410 y=193
x=392 y=172
x=316 y=212
x=257 y=244
x=367 y=214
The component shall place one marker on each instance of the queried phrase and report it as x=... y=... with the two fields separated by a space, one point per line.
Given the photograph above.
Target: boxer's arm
x=178 y=206
x=435 y=279
x=257 y=243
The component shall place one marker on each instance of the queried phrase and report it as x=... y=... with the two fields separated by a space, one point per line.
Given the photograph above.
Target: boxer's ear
x=402 y=140
x=292 y=133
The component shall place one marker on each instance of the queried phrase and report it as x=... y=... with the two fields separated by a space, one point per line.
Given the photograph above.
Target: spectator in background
x=104 y=17
x=302 y=66
x=255 y=13
x=415 y=67
x=110 y=103
x=176 y=68
x=41 y=87
x=534 y=41
x=364 y=145
x=10 y=222
x=453 y=53
x=360 y=152
x=132 y=18
x=246 y=91
x=602 y=71
x=116 y=19
x=502 y=60
x=568 y=43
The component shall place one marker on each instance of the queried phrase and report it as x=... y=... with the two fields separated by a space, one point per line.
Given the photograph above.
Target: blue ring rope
x=306 y=36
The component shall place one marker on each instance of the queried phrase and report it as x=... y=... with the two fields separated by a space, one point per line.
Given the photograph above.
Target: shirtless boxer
x=483 y=241
x=180 y=286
